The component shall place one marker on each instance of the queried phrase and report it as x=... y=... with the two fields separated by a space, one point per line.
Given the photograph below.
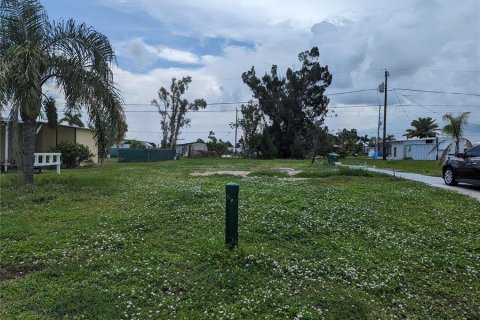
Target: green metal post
x=231 y=215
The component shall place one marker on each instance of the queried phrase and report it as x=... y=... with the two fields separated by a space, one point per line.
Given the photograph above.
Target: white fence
x=47 y=159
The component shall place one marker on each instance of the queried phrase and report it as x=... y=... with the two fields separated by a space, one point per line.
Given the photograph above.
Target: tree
x=72 y=119
x=249 y=123
x=266 y=148
x=326 y=141
x=455 y=127
x=173 y=108
x=51 y=112
x=298 y=148
x=390 y=138
x=73 y=57
x=217 y=146
x=292 y=103
x=422 y=128
x=348 y=140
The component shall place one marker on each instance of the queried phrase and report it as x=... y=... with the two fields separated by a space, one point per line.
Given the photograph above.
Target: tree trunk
x=177 y=129
x=29 y=136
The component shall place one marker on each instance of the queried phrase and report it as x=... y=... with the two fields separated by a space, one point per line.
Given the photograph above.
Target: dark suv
x=463 y=168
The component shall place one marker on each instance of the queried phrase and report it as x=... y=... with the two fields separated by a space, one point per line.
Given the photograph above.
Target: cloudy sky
x=426 y=45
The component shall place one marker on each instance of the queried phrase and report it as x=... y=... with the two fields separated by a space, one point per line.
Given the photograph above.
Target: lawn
x=141 y=241
x=427 y=167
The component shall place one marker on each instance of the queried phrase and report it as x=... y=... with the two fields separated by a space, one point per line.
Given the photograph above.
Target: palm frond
x=91 y=48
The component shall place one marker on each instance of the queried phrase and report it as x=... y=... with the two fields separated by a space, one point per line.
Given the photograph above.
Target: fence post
x=231 y=215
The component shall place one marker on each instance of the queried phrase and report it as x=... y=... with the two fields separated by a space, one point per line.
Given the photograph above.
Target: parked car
x=463 y=168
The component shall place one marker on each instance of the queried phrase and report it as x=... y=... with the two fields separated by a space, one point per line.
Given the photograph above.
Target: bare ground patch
x=9 y=274
x=289 y=171
x=211 y=173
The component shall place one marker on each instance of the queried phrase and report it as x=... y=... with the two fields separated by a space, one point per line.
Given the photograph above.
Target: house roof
x=189 y=143
x=4 y=120
x=419 y=139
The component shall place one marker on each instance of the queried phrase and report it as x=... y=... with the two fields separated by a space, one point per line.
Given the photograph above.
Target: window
x=429 y=141
x=394 y=152
x=474 y=152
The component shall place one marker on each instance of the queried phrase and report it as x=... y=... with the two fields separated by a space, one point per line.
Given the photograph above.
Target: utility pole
x=381 y=89
x=236 y=128
x=378 y=130
x=384 y=152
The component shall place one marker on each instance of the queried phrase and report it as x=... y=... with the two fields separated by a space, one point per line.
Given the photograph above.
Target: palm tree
x=73 y=57
x=455 y=127
x=423 y=128
x=72 y=119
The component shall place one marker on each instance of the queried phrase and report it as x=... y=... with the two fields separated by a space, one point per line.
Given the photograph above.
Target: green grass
x=142 y=241
x=427 y=167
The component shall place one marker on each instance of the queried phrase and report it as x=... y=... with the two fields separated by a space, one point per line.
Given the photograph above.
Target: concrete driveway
x=472 y=191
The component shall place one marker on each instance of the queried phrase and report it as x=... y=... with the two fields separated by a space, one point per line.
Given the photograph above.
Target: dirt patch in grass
x=6 y=274
x=211 y=173
x=289 y=171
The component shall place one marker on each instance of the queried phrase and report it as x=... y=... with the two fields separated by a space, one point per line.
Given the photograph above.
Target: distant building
x=420 y=149
x=47 y=138
x=191 y=149
x=128 y=144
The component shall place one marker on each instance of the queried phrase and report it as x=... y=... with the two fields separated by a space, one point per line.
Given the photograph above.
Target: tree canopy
x=455 y=127
x=249 y=123
x=73 y=57
x=173 y=109
x=422 y=128
x=292 y=103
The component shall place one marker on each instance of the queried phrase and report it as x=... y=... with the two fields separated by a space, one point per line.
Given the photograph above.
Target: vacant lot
x=147 y=241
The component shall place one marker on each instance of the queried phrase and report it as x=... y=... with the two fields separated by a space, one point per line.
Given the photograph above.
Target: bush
x=73 y=153
x=265 y=146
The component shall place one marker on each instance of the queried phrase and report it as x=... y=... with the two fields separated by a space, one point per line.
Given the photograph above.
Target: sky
x=426 y=45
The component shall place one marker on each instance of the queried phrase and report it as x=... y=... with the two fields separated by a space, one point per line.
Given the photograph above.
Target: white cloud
x=145 y=55
x=177 y=55
x=430 y=45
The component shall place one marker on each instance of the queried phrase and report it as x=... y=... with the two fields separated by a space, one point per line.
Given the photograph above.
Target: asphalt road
x=472 y=191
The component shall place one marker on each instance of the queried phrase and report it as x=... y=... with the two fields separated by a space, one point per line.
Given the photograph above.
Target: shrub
x=73 y=153
x=265 y=146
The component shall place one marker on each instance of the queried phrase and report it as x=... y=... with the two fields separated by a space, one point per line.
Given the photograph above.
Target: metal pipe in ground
x=231 y=215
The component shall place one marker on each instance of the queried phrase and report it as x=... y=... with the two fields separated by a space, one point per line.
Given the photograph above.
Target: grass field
x=427 y=167
x=146 y=241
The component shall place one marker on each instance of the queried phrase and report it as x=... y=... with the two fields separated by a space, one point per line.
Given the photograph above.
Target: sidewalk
x=472 y=191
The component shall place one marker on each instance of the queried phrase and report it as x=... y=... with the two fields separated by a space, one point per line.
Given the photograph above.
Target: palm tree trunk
x=29 y=136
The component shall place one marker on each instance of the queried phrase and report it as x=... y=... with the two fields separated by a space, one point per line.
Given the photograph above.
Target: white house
x=421 y=149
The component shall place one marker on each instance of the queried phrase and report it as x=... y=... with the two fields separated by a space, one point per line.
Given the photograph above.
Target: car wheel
x=449 y=177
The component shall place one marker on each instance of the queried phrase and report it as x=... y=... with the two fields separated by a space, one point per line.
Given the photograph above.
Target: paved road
x=472 y=191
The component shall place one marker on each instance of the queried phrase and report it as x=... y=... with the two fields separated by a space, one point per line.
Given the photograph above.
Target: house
x=47 y=138
x=420 y=149
x=191 y=149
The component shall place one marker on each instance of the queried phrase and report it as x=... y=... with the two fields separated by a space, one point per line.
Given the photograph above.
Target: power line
x=418 y=104
x=242 y=102
x=146 y=131
x=441 y=92
x=348 y=92
x=402 y=106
